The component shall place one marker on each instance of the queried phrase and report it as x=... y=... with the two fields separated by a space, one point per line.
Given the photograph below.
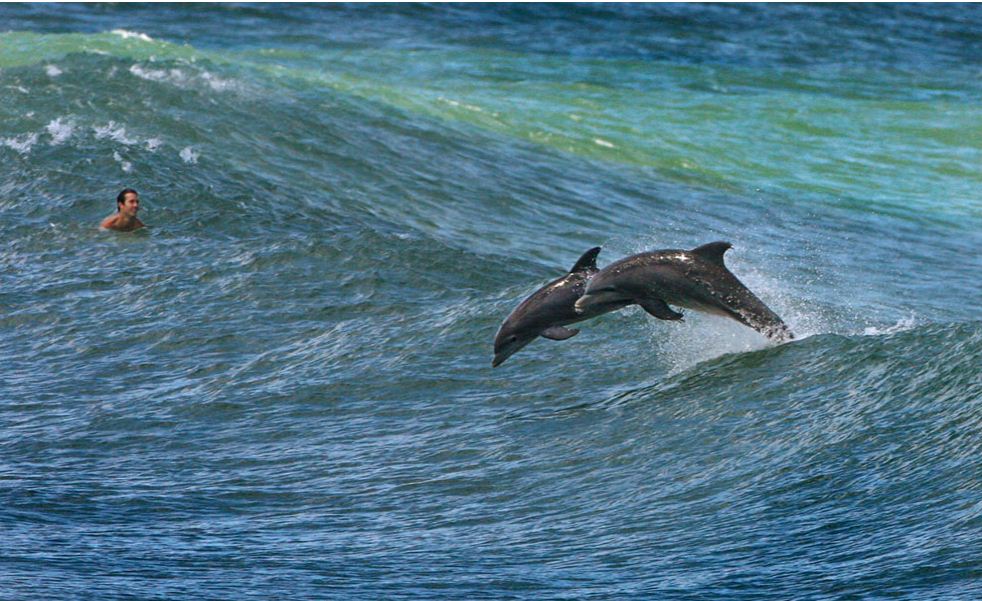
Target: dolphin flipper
x=559 y=333
x=656 y=307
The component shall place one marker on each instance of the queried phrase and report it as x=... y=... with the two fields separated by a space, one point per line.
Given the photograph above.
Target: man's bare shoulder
x=116 y=223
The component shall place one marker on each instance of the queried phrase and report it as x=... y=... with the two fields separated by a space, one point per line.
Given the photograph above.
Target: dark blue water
x=282 y=387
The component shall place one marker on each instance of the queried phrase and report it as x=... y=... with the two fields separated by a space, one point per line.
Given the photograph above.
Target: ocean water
x=282 y=387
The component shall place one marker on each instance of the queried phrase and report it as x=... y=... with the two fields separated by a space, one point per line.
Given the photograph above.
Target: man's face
x=131 y=204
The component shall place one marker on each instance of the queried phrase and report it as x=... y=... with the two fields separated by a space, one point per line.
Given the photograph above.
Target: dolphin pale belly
x=695 y=279
x=548 y=309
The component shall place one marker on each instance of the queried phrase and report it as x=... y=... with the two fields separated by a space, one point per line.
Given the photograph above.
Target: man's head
x=128 y=202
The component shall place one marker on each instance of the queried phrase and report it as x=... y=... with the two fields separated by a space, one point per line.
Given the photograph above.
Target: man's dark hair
x=121 y=197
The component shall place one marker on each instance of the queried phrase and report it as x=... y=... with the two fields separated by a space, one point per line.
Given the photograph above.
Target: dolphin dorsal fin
x=588 y=261
x=712 y=252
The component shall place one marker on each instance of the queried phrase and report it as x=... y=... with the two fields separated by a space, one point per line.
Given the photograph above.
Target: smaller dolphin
x=549 y=308
x=696 y=279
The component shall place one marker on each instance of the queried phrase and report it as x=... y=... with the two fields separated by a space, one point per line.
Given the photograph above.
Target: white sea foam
x=126 y=165
x=59 y=131
x=183 y=79
x=148 y=74
x=153 y=144
x=189 y=156
x=132 y=34
x=53 y=70
x=907 y=323
x=115 y=132
x=169 y=75
x=217 y=83
x=22 y=144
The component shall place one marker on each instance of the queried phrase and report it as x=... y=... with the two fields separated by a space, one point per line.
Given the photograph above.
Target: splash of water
x=902 y=325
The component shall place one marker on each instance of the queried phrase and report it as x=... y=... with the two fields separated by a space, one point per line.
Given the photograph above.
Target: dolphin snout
x=498 y=360
x=506 y=345
x=591 y=300
x=583 y=303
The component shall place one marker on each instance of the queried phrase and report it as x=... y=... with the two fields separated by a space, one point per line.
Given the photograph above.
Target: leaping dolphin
x=548 y=309
x=695 y=279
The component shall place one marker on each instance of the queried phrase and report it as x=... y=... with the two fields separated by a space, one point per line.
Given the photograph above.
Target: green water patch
x=864 y=139
x=869 y=139
x=21 y=48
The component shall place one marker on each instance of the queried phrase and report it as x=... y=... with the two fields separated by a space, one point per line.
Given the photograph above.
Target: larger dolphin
x=695 y=279
x=548 y=309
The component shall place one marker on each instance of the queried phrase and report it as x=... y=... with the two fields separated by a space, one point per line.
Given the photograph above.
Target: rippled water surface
x=282 y=387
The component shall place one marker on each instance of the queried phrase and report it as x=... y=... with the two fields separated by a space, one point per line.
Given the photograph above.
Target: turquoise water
x=283 y=387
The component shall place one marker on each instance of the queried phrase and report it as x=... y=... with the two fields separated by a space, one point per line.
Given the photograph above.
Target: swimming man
x=127 y=205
